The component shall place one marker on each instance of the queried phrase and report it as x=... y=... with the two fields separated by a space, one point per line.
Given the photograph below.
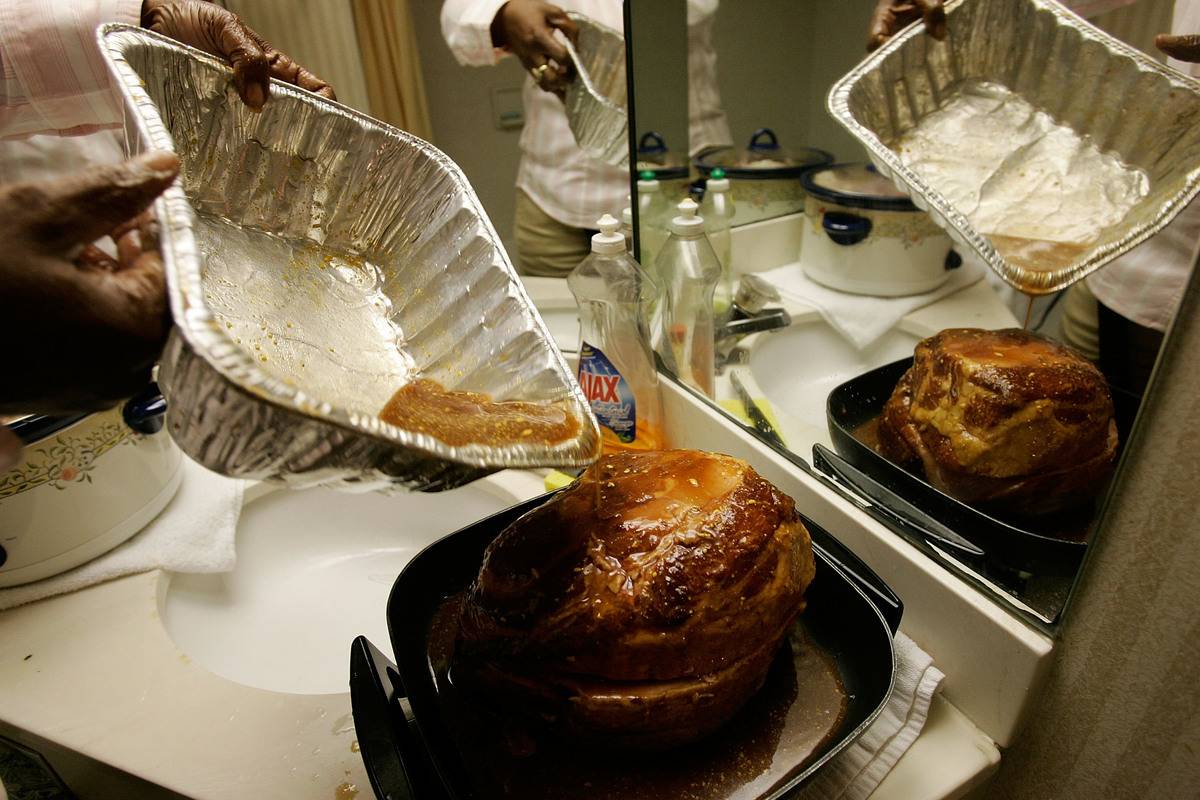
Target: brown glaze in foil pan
x=1126 y=127
x=317 y=260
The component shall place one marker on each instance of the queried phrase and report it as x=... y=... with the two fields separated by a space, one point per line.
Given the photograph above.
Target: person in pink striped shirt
x=560 y=190
x=82 y=302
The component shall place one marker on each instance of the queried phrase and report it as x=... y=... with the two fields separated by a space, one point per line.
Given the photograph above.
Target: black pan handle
x=379 y=721
x=893 y=507
x=855 y=570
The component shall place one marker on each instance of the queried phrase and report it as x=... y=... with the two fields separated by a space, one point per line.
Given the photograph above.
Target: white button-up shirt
x=564 y=182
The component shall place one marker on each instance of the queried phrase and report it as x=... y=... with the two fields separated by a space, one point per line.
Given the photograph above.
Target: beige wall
x=316 y=33
x=776 y=62
x=460 y=107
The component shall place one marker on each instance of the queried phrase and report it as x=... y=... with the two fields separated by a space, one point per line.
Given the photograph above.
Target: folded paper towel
x=194 y=533
x=856 y=772
x=862 y=319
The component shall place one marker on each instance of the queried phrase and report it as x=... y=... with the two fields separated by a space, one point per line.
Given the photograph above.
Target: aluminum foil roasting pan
x=1028 y=111
x=596 y=99
x=317 y=260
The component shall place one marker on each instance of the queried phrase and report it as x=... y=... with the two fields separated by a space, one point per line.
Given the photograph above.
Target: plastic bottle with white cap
x=653 y=214
x=690 y=272
x=616 y=365
x=627 y=226
x=717 y=210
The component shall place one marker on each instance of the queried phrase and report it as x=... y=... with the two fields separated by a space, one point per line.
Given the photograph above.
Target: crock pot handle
x=652 y=143
x=384 y=739
x=772 y=142
x=145 y=411
x=845 y=229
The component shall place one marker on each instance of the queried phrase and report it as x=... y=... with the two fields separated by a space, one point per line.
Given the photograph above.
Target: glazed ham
x=642 y=605
x=1003 y=419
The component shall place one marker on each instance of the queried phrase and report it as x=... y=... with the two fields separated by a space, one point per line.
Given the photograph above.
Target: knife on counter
x=892 y=505
x=757 y=418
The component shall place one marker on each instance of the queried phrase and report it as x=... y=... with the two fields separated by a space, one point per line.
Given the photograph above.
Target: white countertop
x=96 y=672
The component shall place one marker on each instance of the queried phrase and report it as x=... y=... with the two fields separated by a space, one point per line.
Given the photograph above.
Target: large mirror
x=836 y=277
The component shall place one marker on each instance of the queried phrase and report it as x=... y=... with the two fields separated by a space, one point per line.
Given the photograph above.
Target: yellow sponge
x=557 y=480
x=738 y=411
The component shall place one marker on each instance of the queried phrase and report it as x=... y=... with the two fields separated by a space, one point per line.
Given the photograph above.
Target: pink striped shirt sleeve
x=52 y=77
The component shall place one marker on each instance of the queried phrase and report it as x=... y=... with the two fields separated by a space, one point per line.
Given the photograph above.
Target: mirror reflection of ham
x=1006 y=419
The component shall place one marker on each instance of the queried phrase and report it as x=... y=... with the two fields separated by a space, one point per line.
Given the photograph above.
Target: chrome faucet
x=742 y=325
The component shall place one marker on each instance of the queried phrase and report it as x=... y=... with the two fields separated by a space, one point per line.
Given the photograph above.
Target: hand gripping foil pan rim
x=281 y=433
x=598 y=124
x=908 y=65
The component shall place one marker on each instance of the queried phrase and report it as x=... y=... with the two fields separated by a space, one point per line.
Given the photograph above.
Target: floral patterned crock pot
x=864 y=236
x=85 y=484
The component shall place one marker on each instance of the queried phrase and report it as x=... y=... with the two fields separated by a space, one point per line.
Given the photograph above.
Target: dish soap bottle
x=717 y=211
x=616 y=366
x=653 y=214
x=690 y=273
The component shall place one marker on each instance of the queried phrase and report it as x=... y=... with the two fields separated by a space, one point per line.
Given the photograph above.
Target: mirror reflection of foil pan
x=317 y=261
x=596 y=99
x=1035 y=139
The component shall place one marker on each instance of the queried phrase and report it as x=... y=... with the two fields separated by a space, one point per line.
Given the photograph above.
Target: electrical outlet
x=508 y=111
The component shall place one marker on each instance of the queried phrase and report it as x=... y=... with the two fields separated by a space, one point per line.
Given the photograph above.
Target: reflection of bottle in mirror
x=616 y=366
x=689 y=272
x=627 y=226
x=651 y=300
x=717 y=211
x=653 y=215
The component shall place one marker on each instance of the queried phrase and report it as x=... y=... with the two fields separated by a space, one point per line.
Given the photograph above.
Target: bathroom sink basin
x=557 y=306
x=796 y=368
x=314 y=570
x=562 y=318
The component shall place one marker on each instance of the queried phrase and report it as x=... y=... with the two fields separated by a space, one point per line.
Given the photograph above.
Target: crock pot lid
x=763 y=157
x=663 y=172
x=856 y=185
x=655 y=156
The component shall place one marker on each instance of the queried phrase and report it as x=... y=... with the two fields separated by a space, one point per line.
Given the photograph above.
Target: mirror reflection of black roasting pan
x=414 y=734
x=923 y=509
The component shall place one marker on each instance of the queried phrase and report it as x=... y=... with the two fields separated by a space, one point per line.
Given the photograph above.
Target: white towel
x=856 y=771
x=862 y=319
x=194 y=533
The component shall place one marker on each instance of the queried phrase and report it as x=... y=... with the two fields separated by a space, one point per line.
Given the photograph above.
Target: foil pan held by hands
x=596 y=98
x=318 y=260
x=1035 y=139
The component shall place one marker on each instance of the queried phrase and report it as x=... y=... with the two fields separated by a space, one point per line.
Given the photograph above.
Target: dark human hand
x=1182 y=48
x=892 y=16
x=219 y=32
x=526 y=28
x=84 y=327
